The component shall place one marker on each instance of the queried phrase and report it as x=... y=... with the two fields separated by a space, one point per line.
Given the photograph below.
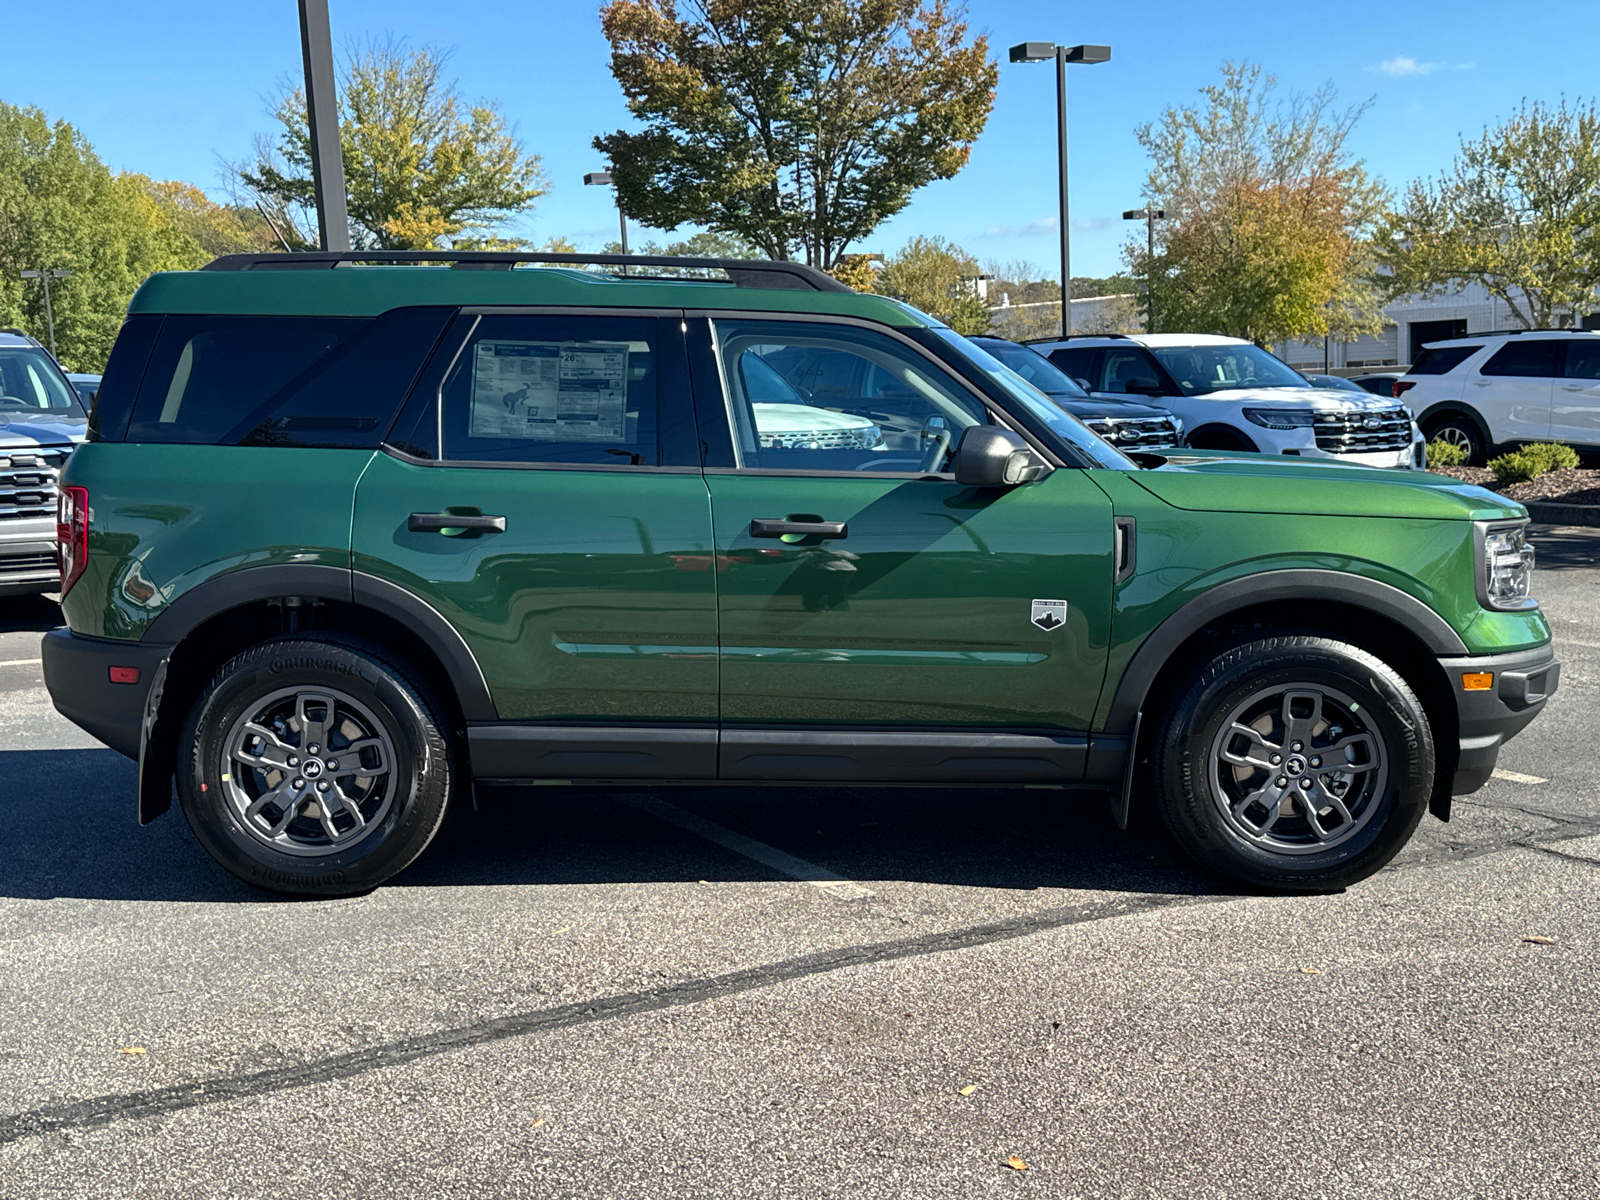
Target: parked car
x=1337 y=383
x=86 y=386
x=1232 y=395
x=1124 y=423
x=1379 y=383
x=1489 y=390
x=41 y=421
x=345 y=543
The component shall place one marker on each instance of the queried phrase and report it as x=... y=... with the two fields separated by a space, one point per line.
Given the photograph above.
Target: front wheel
x=1298 y=764
x=318 y=766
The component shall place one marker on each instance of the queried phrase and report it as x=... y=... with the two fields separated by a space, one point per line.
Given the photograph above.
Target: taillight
x=1402 y=386
x=72 y=534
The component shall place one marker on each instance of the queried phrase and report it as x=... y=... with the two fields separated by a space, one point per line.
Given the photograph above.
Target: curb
x=1547 y=512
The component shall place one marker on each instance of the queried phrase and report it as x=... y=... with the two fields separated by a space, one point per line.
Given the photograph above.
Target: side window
x=822 y=397
x=1079 y=364
x=596 y=390
x=1525 y=358
x=1122 y=367
x=1583 y=358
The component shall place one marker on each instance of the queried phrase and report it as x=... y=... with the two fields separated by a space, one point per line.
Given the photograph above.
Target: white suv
x=1493 y=388
x=1233 y=395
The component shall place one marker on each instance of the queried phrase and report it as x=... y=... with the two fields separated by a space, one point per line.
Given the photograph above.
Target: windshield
x=1199 y=370
x=30 y=383
x=1033 y=366
x=1065 y=426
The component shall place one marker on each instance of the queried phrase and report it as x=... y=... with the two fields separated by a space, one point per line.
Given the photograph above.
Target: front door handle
x=764 y=527
x=447 y=522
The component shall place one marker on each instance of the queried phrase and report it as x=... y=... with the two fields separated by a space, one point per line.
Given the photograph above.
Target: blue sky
x=170 y=87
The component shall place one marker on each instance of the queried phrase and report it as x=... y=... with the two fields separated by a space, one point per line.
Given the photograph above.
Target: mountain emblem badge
x=1049 y=614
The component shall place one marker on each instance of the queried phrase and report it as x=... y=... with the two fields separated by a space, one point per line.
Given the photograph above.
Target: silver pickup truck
x=41 y=421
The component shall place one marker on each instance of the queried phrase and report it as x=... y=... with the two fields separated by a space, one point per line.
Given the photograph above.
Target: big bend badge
x=1049 y=614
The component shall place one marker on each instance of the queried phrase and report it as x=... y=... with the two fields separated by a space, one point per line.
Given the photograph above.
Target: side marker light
x=1479 y=681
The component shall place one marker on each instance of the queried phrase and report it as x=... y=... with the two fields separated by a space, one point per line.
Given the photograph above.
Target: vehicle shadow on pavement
x=1564 y=546
x=29 y=614
x=71 y=833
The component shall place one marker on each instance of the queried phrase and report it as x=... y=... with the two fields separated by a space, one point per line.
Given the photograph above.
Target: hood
x=1081 y=407
x=1336 y=399
x=22 y=429
x=802 y=418
x=1264 y=483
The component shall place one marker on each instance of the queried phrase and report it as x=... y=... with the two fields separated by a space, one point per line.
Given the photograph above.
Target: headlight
x=1505 y=566
x=1280 y=418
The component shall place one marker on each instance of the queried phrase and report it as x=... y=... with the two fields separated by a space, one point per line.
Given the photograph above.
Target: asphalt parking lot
x=593 y=995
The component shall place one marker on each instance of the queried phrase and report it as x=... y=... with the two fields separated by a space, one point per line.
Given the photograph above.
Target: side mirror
x=1142 y=386
x=988 y=456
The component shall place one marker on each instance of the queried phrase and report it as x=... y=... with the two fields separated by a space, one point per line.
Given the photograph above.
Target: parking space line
x=820 y=878
x=21 y=662
x=1517 y=776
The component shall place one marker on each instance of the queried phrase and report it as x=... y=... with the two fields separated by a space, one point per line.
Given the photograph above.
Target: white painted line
x=1517 y=776
x=796 y=868
x=21 y=662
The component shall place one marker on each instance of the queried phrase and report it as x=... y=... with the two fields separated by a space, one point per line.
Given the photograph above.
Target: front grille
x=1361 y=432
x=864 y=438
x=26 y=564
x=28 y=482
x=1136 y=433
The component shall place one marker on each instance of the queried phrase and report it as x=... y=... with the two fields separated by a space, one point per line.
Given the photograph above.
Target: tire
x=1315 y=693
x=263 y=766
x=1460 y=431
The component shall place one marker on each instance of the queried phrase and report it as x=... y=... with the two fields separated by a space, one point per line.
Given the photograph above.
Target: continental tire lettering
x=333 y=878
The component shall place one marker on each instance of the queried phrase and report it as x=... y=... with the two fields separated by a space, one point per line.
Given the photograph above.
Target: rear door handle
x=439 y=522
x=763 y=527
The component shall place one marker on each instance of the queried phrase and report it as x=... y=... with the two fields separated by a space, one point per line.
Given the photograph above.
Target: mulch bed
x=1568 y=485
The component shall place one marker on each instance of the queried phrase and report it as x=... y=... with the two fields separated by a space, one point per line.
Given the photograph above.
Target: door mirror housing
x=988 y=456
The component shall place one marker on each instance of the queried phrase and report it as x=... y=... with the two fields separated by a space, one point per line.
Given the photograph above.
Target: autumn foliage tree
x=423 y=167
x=799 y=125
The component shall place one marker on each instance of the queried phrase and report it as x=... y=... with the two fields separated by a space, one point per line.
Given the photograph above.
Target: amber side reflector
x=1480 y=681
x=124 y=674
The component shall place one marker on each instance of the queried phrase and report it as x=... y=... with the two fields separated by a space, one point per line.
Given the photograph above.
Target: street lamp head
x=597 y=177
x=1144 y=214
x=1087 y=54
x=1033 y=51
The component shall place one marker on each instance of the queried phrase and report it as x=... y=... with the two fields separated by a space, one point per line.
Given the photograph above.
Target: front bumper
x=28 y=565
x=1523 y=681
x=77 y=673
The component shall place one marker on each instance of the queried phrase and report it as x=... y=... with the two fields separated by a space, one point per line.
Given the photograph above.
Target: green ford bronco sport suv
x=353 y=532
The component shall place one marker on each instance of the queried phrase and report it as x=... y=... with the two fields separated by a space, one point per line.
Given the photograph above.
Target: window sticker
x=550 y=391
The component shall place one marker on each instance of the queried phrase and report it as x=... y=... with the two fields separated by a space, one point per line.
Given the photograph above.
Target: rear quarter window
x=327 y=382
x=1441 y=360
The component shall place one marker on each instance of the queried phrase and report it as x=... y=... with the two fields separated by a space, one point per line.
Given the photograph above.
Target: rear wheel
x=317 y=766
x=1462 y=432
x=1293 y=763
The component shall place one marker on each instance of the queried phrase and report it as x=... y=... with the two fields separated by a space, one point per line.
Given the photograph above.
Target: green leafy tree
x=707 y=244
x=424 y=169
x=60 y=207
x=938 y=277
x=799 y=125
x=1518 y=213
x=1269 y=215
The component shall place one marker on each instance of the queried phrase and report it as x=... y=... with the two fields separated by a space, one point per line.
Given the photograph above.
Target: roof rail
x=754 y=273
x=1510 y=332
x=1069 y=337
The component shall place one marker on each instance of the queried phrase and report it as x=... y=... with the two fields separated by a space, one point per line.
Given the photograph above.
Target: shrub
x=1530 y=462
x=1445 y=454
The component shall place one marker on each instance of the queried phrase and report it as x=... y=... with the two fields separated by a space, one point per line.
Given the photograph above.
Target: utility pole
x=1149 y=216
x=322 y=113
x=44 y=277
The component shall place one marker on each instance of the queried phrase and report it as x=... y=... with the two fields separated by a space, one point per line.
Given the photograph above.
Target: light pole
x=604 y=177
x=322 y=113
x=1149 y=216
x=45 y=277
x=1038 y=52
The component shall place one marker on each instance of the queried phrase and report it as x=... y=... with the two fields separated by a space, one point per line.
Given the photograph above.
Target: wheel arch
x=1456 y=406
x=1220 y=430
x=1374 y=616
x=217 y=619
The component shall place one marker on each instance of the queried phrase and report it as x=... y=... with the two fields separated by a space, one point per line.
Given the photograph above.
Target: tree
x=1518 y=213
x=799 y=125
x=1268 y=215
x=60 y=207
x=938 y=277
x=422 y=167
x=709 y=244
x=217 y=229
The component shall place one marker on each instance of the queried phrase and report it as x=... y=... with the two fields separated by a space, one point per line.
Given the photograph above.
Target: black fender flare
x=314 y=581
x=1267 y=587
x=1462 y=407
x=1222 y=427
